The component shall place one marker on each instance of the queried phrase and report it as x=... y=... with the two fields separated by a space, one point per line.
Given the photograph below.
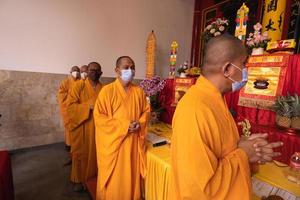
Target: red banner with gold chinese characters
x=266 y=75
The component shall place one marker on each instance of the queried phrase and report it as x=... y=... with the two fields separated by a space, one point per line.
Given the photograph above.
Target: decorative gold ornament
x=173 y=59
x=150 y=57
x=241 y=22
x=246 y=127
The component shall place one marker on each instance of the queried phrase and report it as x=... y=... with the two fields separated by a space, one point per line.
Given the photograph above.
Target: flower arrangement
x=256 y=39
x=217 y=27
x=152 y=88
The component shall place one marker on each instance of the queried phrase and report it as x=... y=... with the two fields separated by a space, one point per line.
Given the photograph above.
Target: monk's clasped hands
x=134 y=126
x=258 y=149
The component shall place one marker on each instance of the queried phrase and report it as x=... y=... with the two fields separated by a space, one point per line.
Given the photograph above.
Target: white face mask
x=75 y=74
x=127 y=75
x=83 y=75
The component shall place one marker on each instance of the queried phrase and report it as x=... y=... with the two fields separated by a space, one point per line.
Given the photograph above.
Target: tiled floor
x=39 y=174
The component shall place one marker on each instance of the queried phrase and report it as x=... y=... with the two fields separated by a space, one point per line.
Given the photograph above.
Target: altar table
x=159 y=166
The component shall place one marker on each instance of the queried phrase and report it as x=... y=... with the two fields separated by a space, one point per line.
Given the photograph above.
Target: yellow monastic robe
x=62 y=94
x=83 y=149
x=206 y=163
x=120 y=155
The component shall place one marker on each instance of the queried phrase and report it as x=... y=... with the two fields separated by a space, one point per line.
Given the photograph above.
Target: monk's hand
x=131 y=127
x=135 y=126
x=257 y=136
x=266 y=151
x=248 y=146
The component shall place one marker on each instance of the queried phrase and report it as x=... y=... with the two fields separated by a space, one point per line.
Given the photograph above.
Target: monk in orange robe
x=209 y=159
x=121 y=114
x=62 y=94
x=80 y=109
x=83 y=72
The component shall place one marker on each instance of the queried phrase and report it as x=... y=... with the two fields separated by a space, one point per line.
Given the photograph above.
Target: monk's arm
x=77 y=111
x=145 y=112
x=112 y=130
x=198 y=173
x=62 y=93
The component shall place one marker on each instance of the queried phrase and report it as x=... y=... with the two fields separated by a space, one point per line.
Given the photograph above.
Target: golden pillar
x=273 y=18
x=150 y=57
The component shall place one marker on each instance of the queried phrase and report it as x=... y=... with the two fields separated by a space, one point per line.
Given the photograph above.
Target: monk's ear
x=227 y=69
x=117 y=70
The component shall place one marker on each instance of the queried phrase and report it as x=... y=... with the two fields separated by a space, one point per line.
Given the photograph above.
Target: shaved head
x=75 y=68
x=123 y=58
x=84 y=68
x=222 y=49
x=224 y=61
x=94 y=66
x=94 y=71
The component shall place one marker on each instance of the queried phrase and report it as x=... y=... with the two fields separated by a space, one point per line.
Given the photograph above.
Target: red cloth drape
x=266 y=117
x=166 y=99
x=6 y=181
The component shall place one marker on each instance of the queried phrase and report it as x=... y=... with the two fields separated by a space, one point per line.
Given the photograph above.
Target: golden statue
x=246 y=127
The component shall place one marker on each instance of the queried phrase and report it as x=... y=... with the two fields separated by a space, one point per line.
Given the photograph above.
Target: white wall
x=53 y=35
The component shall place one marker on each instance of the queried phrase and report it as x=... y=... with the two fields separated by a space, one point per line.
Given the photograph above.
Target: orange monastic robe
x=83 y=149
x=62 y=94
x=206 y=162
x=120 y=155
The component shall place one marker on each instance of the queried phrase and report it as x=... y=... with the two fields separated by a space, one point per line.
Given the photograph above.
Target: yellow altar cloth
x=159 y=165
x=275 y=177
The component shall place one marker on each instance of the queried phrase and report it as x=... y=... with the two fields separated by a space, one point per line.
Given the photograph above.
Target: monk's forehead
x=84 y=67
x=75 y=68
x=94 y=67
x=126 y=61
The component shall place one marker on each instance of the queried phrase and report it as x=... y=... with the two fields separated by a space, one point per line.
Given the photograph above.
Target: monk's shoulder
x=194 y=102
x=65 y=84
x=65 y=81
x=107 y=90
x=78 y=85
x=108 y=87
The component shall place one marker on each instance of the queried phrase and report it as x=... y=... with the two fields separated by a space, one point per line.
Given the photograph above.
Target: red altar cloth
x=166 y=100
x=266 y=117
x=6 y=181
